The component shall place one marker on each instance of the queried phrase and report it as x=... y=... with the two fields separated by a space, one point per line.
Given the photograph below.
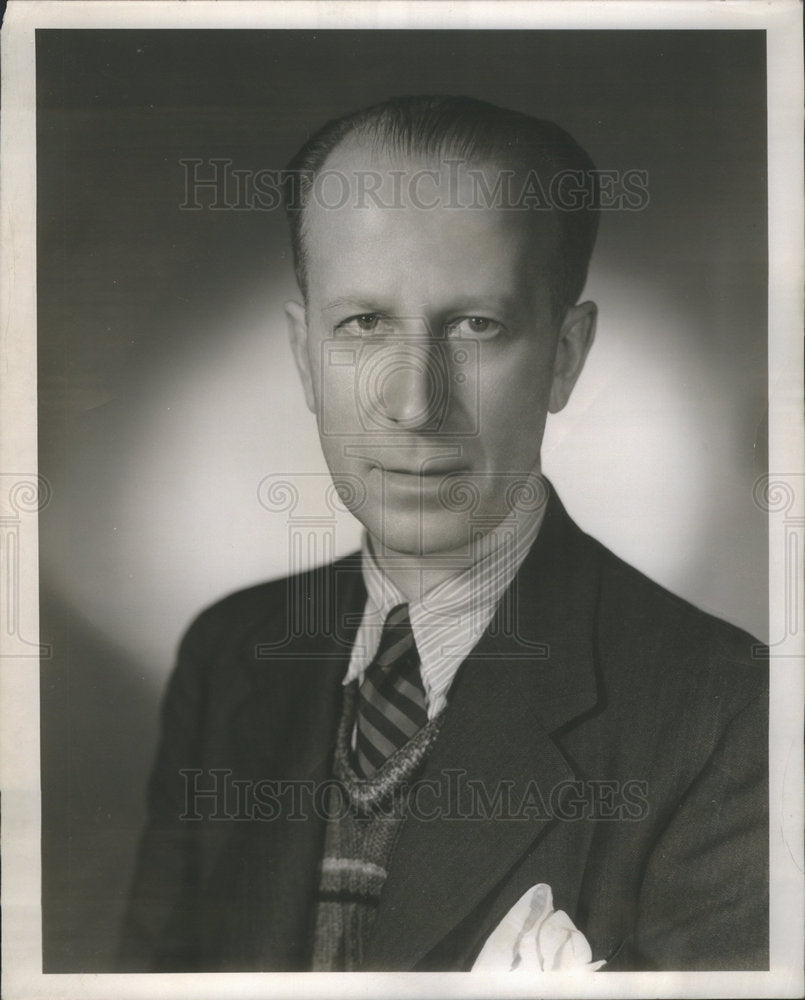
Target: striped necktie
x=391 y=699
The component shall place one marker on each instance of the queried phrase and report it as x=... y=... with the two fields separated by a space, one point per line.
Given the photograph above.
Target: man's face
x=430 y=355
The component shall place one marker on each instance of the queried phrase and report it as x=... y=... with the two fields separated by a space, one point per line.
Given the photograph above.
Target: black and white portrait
x=407 y=477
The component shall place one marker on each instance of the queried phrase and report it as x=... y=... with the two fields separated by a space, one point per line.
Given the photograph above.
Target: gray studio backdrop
x=167 y=392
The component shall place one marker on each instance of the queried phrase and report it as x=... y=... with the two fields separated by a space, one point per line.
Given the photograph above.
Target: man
x=484 y=732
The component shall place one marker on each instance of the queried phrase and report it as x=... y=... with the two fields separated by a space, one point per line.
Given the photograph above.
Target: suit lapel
x=531 y=674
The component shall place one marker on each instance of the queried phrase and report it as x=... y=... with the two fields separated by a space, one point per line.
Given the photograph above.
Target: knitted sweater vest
x=364 y=817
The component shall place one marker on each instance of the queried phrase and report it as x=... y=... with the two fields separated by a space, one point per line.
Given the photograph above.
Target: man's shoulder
x=265 y=607
x=653 y=631
x=629 y=615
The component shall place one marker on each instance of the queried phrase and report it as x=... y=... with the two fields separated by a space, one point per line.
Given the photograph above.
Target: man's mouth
x=428 y=471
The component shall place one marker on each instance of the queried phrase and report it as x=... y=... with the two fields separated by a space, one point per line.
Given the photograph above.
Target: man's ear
x=576 y=336
x=297 y=327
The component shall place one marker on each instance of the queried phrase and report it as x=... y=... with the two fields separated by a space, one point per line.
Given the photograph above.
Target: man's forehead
x=366 y=193
x=378 y=170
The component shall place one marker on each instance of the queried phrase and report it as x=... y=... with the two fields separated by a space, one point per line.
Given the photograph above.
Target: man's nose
x=406 y=391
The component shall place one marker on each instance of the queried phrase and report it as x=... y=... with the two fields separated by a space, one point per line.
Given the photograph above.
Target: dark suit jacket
x=621 y=731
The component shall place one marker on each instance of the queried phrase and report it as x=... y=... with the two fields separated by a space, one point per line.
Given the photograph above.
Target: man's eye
x=476 y=327
x=359 y=326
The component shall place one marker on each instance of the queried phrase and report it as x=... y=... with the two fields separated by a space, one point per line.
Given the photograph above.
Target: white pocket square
x=533 y=937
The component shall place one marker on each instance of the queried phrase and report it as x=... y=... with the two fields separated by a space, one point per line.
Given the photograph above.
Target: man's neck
x=416 y=574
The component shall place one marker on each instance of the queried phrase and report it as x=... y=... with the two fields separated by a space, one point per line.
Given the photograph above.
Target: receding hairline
x=353 y=157
x=366 y=148
x=437 y=129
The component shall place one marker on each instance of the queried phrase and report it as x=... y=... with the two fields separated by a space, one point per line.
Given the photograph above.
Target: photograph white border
x=19 y=679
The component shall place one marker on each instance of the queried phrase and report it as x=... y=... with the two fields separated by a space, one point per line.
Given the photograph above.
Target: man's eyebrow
x=497 y=303
x=353 y=302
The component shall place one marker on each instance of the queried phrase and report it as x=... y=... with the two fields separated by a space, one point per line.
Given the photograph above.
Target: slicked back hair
x=440 y=128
